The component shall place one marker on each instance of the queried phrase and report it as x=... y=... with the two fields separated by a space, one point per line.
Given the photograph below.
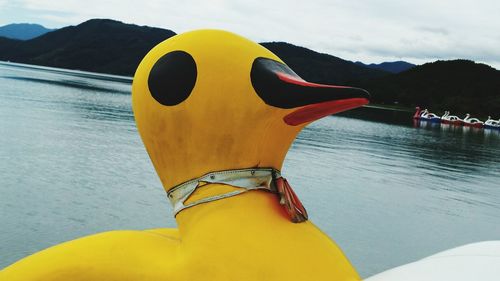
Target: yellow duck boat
x=217 y=114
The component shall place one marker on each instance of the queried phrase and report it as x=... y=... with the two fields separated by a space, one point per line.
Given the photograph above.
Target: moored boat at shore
x=472 y=122
x=430 y=117
x=451 y=119
x=492 y=123
x=446 y=118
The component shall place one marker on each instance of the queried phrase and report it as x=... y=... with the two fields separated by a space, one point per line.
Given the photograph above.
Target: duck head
x=211 y=100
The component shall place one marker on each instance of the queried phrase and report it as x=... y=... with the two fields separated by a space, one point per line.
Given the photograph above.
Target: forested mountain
x=457 y=85
x=392 y=67
x=321 y=68
x=23 y=31
x=98 y=45
x=109 y=46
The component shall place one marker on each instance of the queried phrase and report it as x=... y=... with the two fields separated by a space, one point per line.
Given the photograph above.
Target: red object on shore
x=417 y=113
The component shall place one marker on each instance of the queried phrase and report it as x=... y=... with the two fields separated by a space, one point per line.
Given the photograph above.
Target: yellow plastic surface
x=222 y=125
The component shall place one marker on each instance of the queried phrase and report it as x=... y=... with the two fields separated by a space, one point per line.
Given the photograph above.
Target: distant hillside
x=108 y=46
x=392 y=67
x=6 y=44
x=97 y=45
x=321 y=68
x=23 y=31
x=113 y=47
x=458 y=85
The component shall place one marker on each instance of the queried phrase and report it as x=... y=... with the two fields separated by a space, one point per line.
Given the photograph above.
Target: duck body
x=223 y=241
x=209 y=101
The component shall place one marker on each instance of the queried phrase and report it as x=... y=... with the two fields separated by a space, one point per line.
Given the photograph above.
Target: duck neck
x=246 y=211
x=242 y=191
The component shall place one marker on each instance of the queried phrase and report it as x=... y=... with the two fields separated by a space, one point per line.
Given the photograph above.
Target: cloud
x=435 y=30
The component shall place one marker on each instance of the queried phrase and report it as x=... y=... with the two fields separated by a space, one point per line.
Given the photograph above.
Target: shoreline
x=129 y=79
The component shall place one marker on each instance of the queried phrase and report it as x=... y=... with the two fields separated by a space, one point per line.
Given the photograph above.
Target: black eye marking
x=172 y=78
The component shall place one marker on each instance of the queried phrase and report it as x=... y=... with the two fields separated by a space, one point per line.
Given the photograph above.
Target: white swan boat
x=492 y=123
x=472 y=122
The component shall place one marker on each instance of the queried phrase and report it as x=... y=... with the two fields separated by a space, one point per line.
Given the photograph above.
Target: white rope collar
x=246 y=179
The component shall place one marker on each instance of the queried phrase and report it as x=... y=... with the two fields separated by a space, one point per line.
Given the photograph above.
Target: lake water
x=72 y=164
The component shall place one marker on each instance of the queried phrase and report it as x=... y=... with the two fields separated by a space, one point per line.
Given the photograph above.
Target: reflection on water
x=74 y=83
x=72 y=164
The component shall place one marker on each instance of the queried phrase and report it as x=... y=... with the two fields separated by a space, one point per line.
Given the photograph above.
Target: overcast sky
x=366 y=30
